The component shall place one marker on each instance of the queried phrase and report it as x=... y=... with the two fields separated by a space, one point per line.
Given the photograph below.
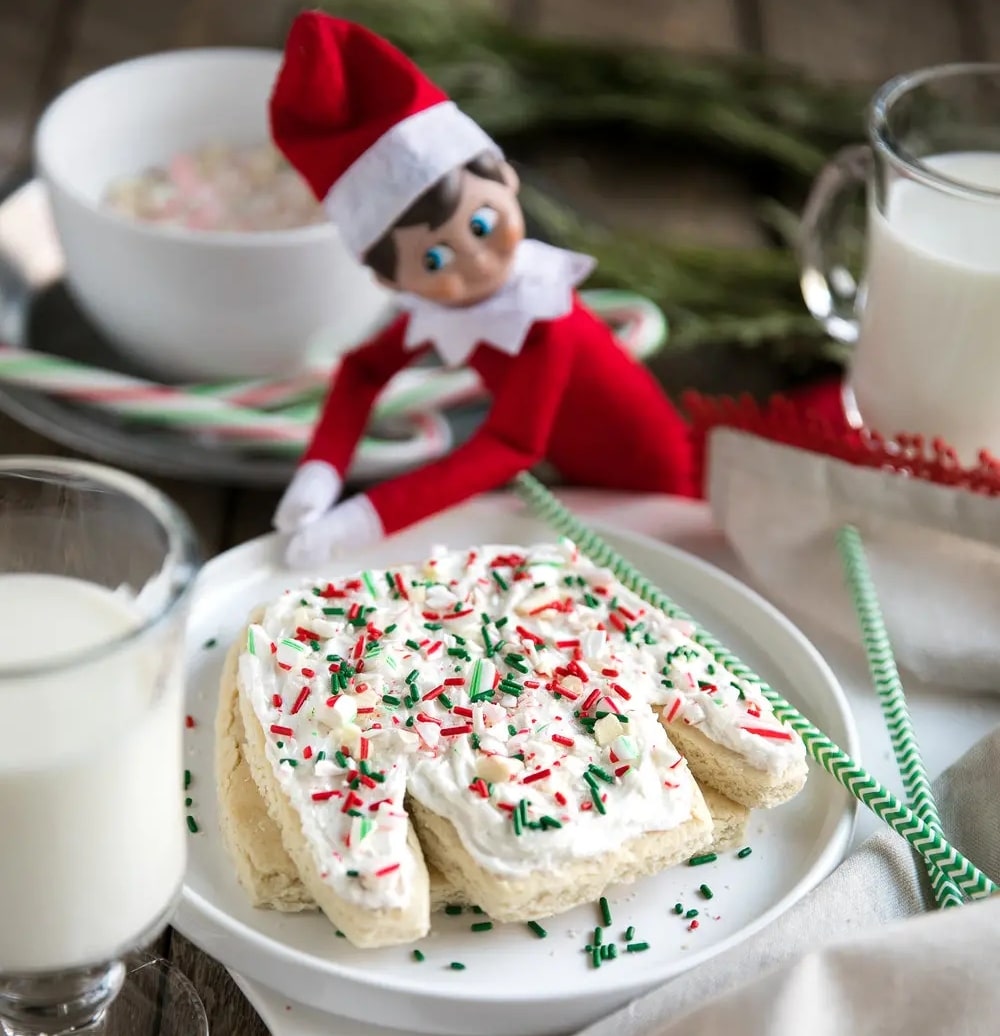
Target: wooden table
x=47 y=44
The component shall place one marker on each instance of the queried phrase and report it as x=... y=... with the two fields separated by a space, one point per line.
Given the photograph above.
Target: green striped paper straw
x=885 y=677
x=931 y=844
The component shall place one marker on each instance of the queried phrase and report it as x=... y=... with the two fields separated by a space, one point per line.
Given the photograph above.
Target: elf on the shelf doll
x=423 y=197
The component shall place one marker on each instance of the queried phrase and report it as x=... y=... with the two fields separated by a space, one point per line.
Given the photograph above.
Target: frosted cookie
x=487 y=696
x=253 y=840
x=266 y=871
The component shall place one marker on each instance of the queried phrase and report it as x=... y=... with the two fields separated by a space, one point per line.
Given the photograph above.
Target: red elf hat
x=368 y=131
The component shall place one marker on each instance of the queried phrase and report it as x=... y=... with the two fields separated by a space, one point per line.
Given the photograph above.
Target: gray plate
x=38 y=313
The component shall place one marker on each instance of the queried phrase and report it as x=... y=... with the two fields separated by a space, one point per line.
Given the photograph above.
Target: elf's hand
x=350 y=525
x=311 y=493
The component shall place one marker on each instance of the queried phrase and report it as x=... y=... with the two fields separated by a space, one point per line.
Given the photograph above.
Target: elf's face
x=469 y=257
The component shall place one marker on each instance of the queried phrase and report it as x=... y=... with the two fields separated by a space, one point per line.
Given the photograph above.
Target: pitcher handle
x=828 y=286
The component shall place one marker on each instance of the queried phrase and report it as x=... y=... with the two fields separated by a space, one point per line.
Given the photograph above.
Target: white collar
x=540 y=287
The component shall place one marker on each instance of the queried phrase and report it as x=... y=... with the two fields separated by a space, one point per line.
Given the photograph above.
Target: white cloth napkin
x=831 y=966
x=933 y=551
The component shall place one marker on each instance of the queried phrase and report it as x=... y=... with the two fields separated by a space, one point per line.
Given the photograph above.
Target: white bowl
x=188 y=303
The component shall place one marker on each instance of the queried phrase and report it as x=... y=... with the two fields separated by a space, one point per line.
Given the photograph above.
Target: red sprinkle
x=479 y=787
x=302 y=634
x=352 y=800
x=462 y=710
x=189 y=722
x=300 y=700
x=466 y=728
x=332 y=700
x=561 y=739
x=619 y=690
x=307 y=752
x=323 y=796
x=332 y=591
x=455 y=681
x=363 y=746
x=398 y=580
x=631 y=616
x=560 y=798
x=457 y=615
x=528 y=635
x=308 y=674
x=382 y=872
x=622 y=770
x=567 y=643
x=285 y=666
x=283 y=731
x=434 y=647
x=435 y=693
x=354 y=611
x=532 y=683
x=617 y=623
x=359 y=647
x=777 y=735
x=277 y=701
x=539 y=775
x=591 y=699
x=673 y=710
x=693 y=925
x=609 y=672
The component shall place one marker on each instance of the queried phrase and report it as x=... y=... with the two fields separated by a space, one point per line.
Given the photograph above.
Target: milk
x=91 y=821
x=928 y=358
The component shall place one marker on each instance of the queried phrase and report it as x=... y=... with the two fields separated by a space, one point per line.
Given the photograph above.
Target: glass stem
x=59 y=1003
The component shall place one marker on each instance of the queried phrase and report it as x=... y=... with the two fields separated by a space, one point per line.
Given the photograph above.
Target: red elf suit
x=371 y=134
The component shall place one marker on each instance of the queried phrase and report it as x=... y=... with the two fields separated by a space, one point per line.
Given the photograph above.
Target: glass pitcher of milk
x=95 y=573
x=924 y=322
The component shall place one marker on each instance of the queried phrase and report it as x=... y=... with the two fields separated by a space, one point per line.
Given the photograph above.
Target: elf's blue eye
x=437 y=258
x=483 y=221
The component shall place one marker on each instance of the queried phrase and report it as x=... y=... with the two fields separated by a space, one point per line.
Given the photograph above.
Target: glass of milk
x=95 y=573
x=924 y=323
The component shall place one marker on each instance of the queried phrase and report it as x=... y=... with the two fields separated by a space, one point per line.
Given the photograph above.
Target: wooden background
x=45 y=45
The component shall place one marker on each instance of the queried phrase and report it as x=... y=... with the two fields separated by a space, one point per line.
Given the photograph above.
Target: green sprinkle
x=678 y=908
x=434 y=626
x=412 y=675
x=192 y=825
x=352 y=874
x=706 y=891
x=744 y=852
x=390 y=699
x=320 y=755
x=291 y=762
x=187 y=779
x=501 y=622
x=453 y=909
x=630 y=933
x=251 y=642
x=537 y=929
x=595 y=956
x=606 y=952
x=340 y=758
x=697 y=861
x=340 y=934
x=445 y=700
x=391 y=628
x=691 y=913
x=598 y=936
x=550 y=823
x=612 y=952
x=500 y=581
x=413 y=645
x=458 y=652
x=478 y=910
x=418 y=956
x=517 y=662
x=605 y=911
x=210 y=643
x=511 y=729
x=189 y=803
x=636 y=947
x=476 y=679
x=481 y=926
x=456 y=966
x=334 y=611
x=600 y=774
x=355 y=812
x=474 y=741
x=369 y=583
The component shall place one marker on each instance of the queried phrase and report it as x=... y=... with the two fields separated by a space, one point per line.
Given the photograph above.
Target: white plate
x=515 y=984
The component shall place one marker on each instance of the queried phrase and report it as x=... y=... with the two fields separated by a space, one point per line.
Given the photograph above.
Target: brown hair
x=435 y=206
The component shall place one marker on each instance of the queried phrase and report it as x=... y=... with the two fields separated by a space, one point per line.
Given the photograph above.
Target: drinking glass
x=96 y=569
x=924 y=322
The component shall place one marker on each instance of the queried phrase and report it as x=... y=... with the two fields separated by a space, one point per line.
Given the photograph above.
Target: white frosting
x=569 y=765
